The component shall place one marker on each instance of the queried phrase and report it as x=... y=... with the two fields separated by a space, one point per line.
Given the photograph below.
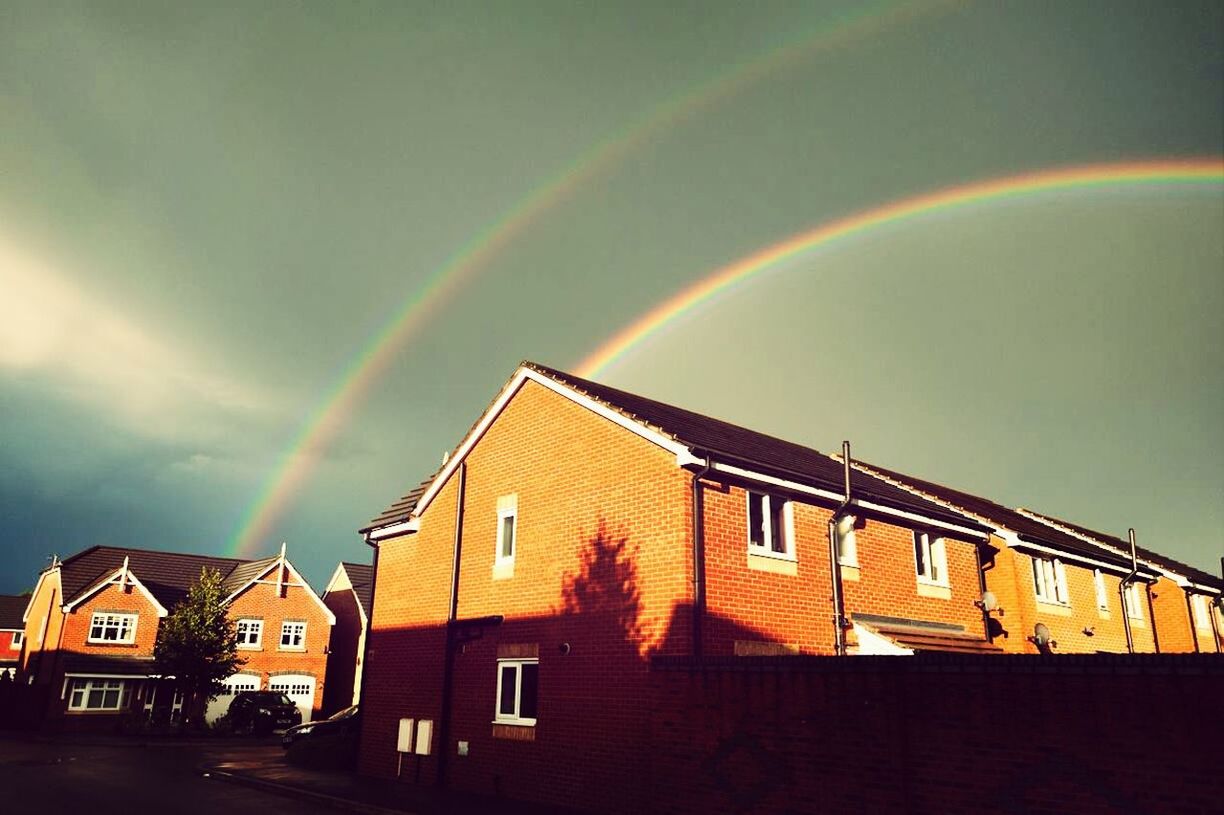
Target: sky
x=261 y=265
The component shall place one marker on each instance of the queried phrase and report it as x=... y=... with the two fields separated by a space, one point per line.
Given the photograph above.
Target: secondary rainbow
x=353 y=381
x=726 y=279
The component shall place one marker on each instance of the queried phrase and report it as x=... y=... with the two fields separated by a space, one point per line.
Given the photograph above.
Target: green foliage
x=197 y=643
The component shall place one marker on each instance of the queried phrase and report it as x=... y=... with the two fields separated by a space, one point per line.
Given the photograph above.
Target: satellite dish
x=1041 y=635
x=989 y=601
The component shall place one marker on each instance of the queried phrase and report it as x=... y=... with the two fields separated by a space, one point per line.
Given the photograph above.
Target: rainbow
x=354 y=380
x=728 y=278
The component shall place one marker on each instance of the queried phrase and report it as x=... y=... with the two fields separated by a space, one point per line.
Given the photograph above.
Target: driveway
x=122 y=777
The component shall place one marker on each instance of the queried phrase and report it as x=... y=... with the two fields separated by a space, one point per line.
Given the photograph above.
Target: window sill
x=511 y=731
x=773 y=564
x=1055 y=608
x=1138 y=622
x=250 y=648
x=937 y=590
x=290 y=650
x=503 y=569
x=1104 y=613
x=849 y=572
x=112 y=643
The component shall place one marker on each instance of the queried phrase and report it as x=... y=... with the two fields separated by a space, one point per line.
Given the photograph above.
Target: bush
x=333 y=752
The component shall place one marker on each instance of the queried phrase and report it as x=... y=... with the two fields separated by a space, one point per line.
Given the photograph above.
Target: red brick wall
x=294 y=603
x=602 y=561
x=1011 y=580
x=943 y=734
x=133 y=601
x=797 y=609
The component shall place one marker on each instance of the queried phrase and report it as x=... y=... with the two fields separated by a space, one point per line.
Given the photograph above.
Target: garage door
x=301 y=689
x=233 y=686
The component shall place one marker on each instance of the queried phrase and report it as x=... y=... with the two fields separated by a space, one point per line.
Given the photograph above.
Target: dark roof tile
x=12 y=609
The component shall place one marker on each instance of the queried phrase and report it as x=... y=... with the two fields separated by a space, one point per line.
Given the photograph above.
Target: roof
x=108 y=664
x=12 y=608
x=725 y=442
x=167 y=575
x=1028 y=529
x=1195 y=575
x=919 y=636
x=362 y=578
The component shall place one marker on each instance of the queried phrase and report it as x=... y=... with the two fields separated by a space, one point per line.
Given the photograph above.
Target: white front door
x=299 y=688
x=219 y=704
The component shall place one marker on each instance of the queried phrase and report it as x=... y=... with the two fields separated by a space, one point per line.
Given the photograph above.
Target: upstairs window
x=506 y=520
x=18 y=639
x=847 y=545
x=770 y=526
x=1050 y=580
x=250 y=634
x=107 y=627
x=930 y=559
x=517 y=691
x=1134 y=608
x=1202 y=613
x=293 y=635
x=1102 y=597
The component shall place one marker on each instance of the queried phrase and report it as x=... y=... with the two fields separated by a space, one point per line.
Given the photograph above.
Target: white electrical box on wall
x=404 y=743
x=424 y=734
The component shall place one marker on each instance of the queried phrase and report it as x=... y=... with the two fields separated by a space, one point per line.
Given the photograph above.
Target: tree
x=198 y=645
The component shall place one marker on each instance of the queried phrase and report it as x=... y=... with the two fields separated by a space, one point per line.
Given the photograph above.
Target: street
x=129 y=777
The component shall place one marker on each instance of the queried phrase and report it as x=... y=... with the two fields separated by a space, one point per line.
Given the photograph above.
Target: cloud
x=56 y=335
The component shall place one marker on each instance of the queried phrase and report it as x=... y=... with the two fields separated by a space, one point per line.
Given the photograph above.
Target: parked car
x=345 y=722
x=261 y=712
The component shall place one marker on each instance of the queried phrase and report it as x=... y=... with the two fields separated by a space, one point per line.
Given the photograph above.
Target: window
x=1202 y=613
x=847 y=546
x=1102 y=597
x=250 y=634
x=18 y=639
x=505 y=534
x=99 y=694
x=770 y=526
x=930 y=559
x=293 y=636
x=1050 y=580
x=517 y=691
x=1134 y=609
x=108 y=627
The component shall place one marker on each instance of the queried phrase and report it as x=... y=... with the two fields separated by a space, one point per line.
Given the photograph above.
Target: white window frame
x=253 y=635
x=115 y=620
x=515 y=718
x=81 y=689
x=18 y=640
x=1133 y=602
x=768 y=534
x=1102 y=596
x=1050 y=581
x=287 y=629
x=935 y=556
x=502 y=514
x=847 y=543
x=1202 y=613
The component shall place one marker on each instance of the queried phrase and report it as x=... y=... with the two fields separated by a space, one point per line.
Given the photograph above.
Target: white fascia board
x=331 y=617
x=1201 y=589
x=273 y=565
x=360 y=611
x=334 y=583
x=395 y=530
x=836 y=496
x=111 y=580
x=521 y=376
x=1061 y=555
x=1001 y=531
x=112 y=676
x=46 y=574
x=1154 y=570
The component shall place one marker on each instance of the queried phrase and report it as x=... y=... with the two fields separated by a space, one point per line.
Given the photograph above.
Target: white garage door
x=233 y=686
x=301 y=689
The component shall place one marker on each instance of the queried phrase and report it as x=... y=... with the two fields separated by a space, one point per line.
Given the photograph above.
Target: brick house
x=92 y=621
x=578 y=531
x=12 y=632
x=1069 y=579
x=348 y=595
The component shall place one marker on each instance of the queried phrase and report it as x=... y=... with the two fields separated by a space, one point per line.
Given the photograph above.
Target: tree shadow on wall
x=604 y=589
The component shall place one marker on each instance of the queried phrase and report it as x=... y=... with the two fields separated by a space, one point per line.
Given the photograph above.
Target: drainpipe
x=448 y=662
x=1152 y=617
x=1130 y=639
x=981 y=570
x=1190 y=618
x=699 y=597
x=839 y=611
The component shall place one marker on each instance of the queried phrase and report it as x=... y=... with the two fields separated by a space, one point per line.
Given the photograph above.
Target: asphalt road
x=128 y=779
